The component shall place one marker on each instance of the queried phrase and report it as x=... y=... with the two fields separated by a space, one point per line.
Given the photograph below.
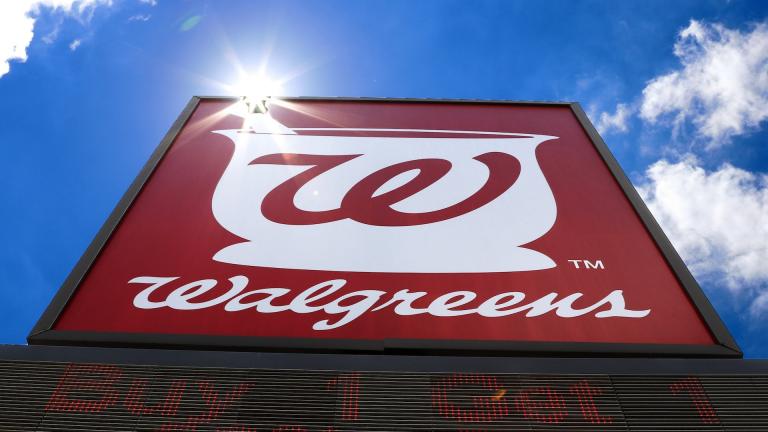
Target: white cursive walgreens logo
x=345 y=308
x=465 y=202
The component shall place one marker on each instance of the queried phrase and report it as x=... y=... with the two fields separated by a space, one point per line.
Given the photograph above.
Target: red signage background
x=170 y=231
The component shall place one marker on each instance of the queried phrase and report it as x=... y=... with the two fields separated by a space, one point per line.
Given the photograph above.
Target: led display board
x=384 y=225
x=46 y=396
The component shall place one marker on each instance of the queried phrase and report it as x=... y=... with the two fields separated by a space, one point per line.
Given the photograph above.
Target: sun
x=256 y=90
x=258 y=86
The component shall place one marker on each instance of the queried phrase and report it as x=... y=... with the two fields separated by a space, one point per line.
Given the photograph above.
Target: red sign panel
x=361 y=224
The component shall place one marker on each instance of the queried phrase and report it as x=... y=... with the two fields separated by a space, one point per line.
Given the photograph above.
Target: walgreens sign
x=384 y=225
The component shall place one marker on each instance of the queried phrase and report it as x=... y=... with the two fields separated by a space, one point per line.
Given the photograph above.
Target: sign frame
x=44 y=333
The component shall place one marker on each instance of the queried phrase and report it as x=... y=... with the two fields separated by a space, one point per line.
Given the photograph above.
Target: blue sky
x=679 y=90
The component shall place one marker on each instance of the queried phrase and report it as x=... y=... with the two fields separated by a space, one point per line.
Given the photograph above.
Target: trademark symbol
x=587 y=264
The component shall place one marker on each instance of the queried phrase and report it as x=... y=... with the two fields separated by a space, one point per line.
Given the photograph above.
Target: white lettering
x=492 y=308
x=404 y=298
x=595 y=265
x=353 y=305
x=179 y=298
x=299 y=304
x=442 y=305
x=263 y=305
x=546 y=304
x=142 y=300
x=351 y=312
x=616 y=300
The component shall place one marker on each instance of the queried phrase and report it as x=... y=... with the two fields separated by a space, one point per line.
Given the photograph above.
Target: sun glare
x=257 y=90
x=258 y=86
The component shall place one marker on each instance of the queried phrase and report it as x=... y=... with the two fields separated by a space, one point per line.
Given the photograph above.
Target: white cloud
x=17 y=23
x=759 y=305
x=722 y=86
x=717 y=220
x=140 y=17
x=75 y=44
x=149 y=2
x=617 y=121
x=15 y=33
